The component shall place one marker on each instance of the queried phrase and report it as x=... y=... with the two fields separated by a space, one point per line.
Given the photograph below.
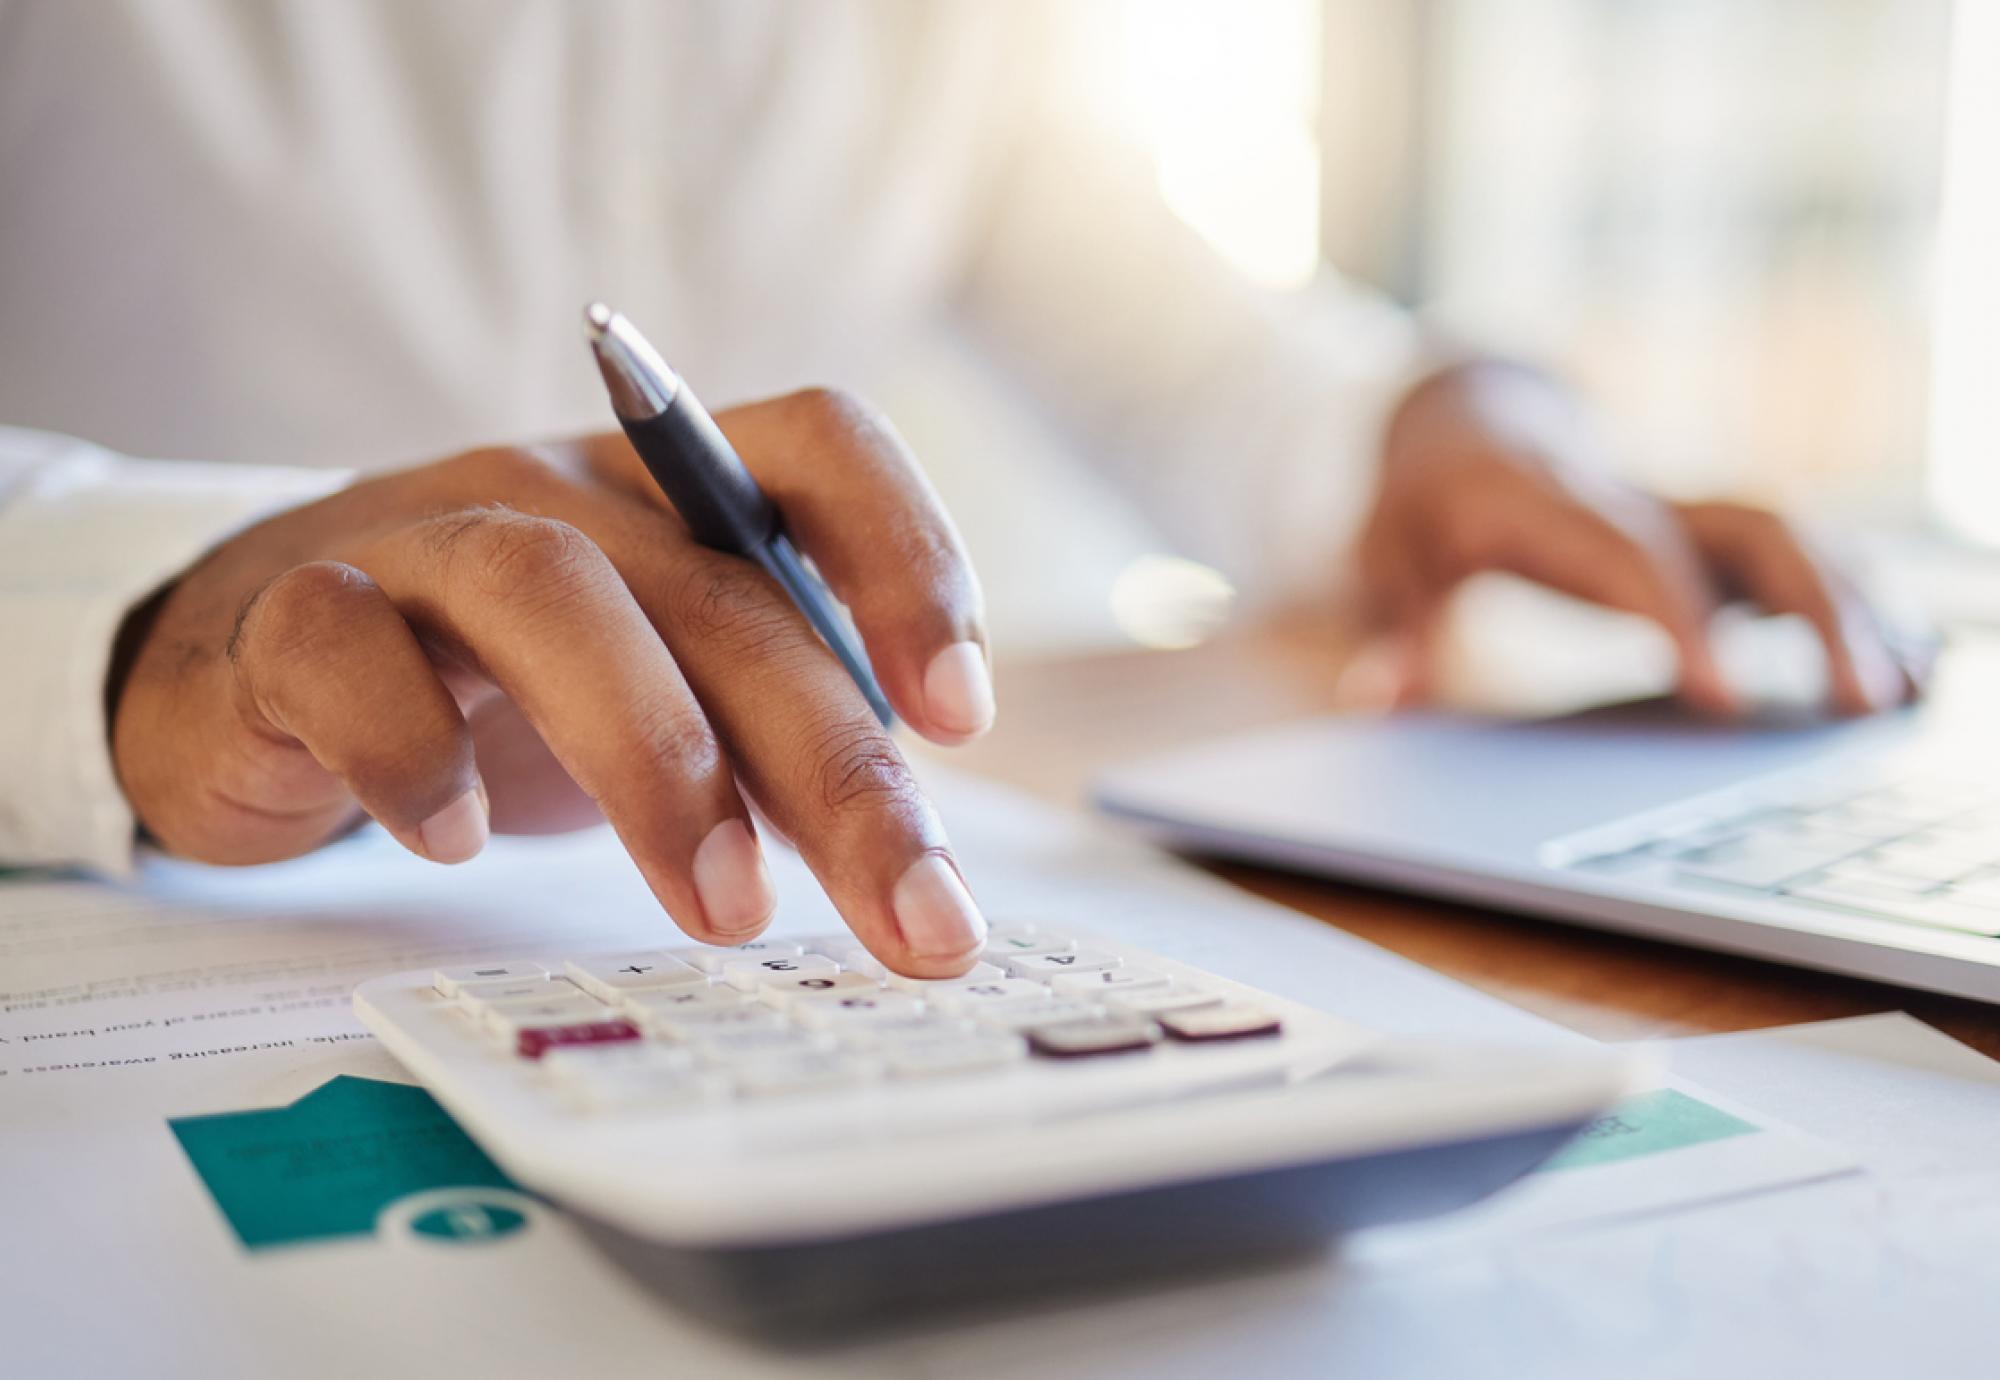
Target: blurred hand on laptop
x=1492 y=466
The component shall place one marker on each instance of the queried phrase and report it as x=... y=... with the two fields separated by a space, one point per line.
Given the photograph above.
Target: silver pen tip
x=639 y=381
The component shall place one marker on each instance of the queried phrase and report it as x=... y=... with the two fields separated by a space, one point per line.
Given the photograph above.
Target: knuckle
x=525 y=560
x=677 y=738
x=856 y=769
x=294 y=611
x=846 y=426
x=833 y=410
x=730 y=604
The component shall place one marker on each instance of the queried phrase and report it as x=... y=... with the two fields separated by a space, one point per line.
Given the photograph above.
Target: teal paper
x=327 y=1165
x=1647 y=1125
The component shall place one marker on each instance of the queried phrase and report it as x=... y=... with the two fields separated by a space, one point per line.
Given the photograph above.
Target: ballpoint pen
x=708 y=485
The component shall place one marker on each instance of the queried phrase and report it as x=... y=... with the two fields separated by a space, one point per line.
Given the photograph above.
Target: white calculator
x=786 y=1129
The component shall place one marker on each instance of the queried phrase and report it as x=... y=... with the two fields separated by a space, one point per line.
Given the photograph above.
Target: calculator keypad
x=661 y=1029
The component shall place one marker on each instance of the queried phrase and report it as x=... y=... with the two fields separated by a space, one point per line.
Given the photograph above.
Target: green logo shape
x=469 y=1222
x=1646 y=1125
x=327 y=1165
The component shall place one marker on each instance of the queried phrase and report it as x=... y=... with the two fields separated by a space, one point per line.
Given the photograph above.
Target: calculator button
x=635 y=1075
x=1003 y=942
x=511 y=1017
x=1024 y=1015
x=890 y=1030
x=665 y=1002
x=449 y=980
x=1099 y=1035
x=790 y=991
x=1041 y=967
x=729 y=1044
x=802 y=1073
x=1150 y=1001
x=712 y=960
x=645 y=1089
x=476 y=996
x=1228 y=1021
x=1105 y=981
x=845 y=1011
x=536 y=1041
x=946 y=1055
x=747 y=974
x=851 y=955
x=606 y=975
x=978 y=972
x=968 y=997
x=585 y=1061
x=693 y=1022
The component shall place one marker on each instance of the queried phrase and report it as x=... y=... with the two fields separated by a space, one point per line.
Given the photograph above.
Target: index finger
x=857 y=502
x=1643 y=565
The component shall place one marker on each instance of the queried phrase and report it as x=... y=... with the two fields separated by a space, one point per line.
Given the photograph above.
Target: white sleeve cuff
x=85 y=535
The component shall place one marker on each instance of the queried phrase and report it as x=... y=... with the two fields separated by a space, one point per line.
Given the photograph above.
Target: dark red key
x=536 y=1041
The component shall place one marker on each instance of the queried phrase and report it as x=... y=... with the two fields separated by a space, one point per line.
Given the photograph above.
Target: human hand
x=1492 y=467
x=527 y=640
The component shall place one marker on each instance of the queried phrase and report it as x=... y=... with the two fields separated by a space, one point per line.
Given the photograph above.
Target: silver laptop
x=1870 y=847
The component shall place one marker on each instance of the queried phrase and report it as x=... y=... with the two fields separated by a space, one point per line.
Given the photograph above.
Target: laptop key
x=1942 y=912
x=1756 y=863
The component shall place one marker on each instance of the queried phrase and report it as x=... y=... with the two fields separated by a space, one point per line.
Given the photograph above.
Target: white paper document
x=1908 y=1100
x=201 y=991
x=197 y=991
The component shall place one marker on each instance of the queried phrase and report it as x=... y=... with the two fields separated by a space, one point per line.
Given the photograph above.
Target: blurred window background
x=1761 y=233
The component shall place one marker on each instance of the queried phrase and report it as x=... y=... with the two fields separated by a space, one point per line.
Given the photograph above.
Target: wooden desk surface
x=1061 y=720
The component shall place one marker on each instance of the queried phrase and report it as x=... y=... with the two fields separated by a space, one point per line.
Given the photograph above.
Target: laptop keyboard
x=1921 y=849
x=700 y=1026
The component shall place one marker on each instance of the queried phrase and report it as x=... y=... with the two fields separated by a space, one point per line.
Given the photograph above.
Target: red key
x=536 y=1041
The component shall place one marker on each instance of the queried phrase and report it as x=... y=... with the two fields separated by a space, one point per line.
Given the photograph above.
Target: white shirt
x=280 y=242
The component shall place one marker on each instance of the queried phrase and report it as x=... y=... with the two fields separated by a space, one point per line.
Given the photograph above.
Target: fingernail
x=732 y=881
x=456 y=833
x=935 y=912
x=958 y=692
